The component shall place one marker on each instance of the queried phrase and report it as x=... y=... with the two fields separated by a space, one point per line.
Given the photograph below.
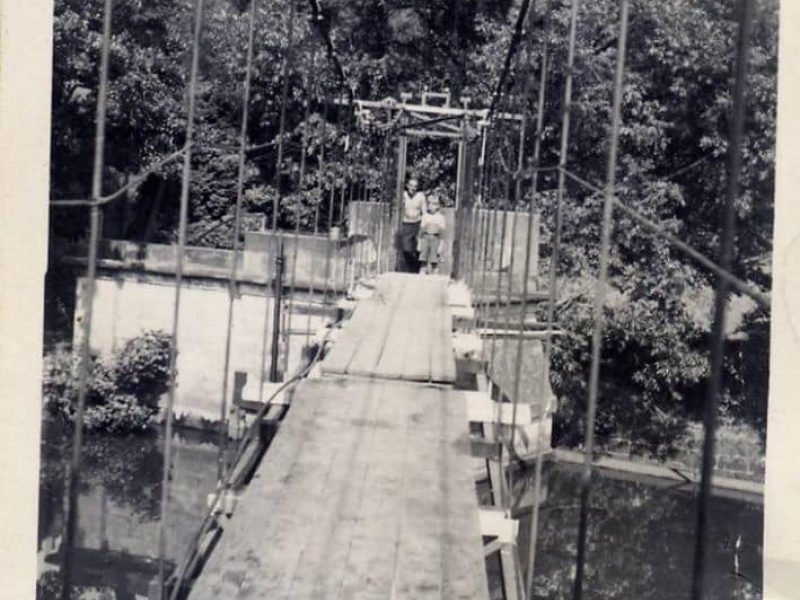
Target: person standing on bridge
x=431 y=236
x=414 y=206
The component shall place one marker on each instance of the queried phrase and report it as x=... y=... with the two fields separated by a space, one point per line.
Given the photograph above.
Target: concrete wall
x=504 y=234
x=309 y=260
x=127 y=304
x=160 y=258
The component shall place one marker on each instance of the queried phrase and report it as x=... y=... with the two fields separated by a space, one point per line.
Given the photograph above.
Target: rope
x=73 y=486
x=182 y=220
x=515 y=172
x=499 y=433
x=529 y=234
x=488 y=247
x=552 y=298
x=232 y=279
x=599 y=302
x=475 y=211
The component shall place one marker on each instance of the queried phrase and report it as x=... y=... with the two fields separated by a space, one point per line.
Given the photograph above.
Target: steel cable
x=552 y=298
x=182 y=224
x=232 y=279
x=599 y=302
x=74 y=478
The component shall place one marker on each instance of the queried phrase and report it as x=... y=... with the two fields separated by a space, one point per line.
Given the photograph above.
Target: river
x=640 y=537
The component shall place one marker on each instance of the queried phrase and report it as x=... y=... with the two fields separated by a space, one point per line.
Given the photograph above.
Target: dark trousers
x=407 y=254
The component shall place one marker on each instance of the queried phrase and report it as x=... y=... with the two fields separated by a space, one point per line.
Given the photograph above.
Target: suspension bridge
x=366 y=486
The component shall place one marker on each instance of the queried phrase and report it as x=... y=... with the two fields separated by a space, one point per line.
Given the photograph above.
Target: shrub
x=142 y=367
x=122 y=390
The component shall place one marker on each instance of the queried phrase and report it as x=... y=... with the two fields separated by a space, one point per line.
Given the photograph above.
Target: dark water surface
x=119 y=509
x=641 y=539
x=641 y=535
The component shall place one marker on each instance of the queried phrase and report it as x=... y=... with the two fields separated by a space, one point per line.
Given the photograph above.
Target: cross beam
x=391 y=104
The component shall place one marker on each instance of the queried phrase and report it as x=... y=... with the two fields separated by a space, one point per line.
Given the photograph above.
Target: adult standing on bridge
x=414 y=206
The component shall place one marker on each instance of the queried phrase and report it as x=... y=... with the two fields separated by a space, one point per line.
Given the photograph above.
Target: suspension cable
x=71 y=508
x=489 y=243
x=285 y=69
x=301 y=192
x=476 y=210
x=317 y=202
x=132 y=183
x=182 y=223
x=721 y=297
x=323 y=26
x=512 y=49
x=762 y=298
x=599 y=302
x=329 y=224
x=232 y=279
x=552 y=298
x=275 y=242
x=537 y=145
x=504 y=212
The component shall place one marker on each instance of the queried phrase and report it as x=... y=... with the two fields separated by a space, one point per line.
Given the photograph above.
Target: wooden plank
x=418 y=315
x=399 y=339
x=325 y=547
x=394 y=334
x=495 y=523
x=441 y=358
x=354 y=332
x=419 y=569
x=226 y=569
x=371 y=497
x=366 y=359
x=295 y=512
x=511 y=580
x=460 y=516
x=482 y=409
x=373 y=551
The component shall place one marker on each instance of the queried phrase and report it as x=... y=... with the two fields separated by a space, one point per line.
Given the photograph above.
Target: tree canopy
x=675 y=118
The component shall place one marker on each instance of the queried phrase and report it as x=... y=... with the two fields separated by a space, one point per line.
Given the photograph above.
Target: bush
x=122 y=390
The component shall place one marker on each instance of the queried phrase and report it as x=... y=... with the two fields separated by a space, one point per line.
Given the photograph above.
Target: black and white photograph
x=400 y=299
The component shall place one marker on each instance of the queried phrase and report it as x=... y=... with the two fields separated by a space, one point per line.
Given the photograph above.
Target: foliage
x=671 y=169
x=673 y=141
x=122 y=391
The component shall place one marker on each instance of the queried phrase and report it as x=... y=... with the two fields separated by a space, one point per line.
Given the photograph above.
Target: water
x=640 y=538
x=119 y=509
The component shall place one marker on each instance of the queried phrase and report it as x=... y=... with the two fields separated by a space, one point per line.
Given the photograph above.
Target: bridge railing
x=495 y=242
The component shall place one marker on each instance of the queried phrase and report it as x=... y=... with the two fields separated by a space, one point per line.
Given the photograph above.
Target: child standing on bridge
x=431 y=236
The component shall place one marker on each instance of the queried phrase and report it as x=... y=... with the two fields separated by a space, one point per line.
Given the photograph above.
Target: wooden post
x=459 y=213
x=276 y=314
x=402 y=147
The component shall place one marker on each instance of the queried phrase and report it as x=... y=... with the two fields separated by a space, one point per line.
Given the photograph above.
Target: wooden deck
x=367 y=491
x=402 y=332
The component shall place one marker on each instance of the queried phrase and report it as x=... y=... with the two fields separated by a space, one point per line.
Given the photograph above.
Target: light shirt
x=413 y=207
x=433 y=223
